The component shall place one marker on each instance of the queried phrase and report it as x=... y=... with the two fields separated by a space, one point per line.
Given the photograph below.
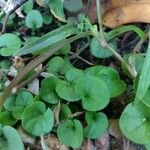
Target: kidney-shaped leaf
x=99 y=51
x=34 y=19
x=97 y=124
x=111 y=78
x=134 y=123
x=37 y=120
x=10 y=138
x=70 y=133
x=94 y=93
x=47 y=91
x=9 y=44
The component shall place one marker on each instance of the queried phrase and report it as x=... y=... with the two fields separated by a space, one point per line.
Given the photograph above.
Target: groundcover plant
x=63 y=74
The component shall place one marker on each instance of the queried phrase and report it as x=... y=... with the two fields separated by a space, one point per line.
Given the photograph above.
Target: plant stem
x=100 y=36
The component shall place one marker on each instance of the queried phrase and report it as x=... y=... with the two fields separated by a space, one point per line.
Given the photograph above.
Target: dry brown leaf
x=103 y=143
x=126 y=11
x=53 y=143
x=114 y=129
x=87 y=145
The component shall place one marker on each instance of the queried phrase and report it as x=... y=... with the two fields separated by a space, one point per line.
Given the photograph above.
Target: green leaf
x=97 y=124
x=58 y=66
x=66 y=89
x=37 y=120
x=146 y=98
x=10 y=103
x=125 y=28
x=28 y=6
x=10 y=138
x=56 y=7
x=64 y=113
x=134 y=123
x=6 y=118
x=34 y=19
x=144 y=80
x=47 y=91
x=74 y=74
x=111 y=78
x=100 y=52
x=94 y=93
x=47 y=19
x=47 y=41
x=70 y=133
x=137 y=61
x=9 y=44
x=73 y=5
x=65 y=49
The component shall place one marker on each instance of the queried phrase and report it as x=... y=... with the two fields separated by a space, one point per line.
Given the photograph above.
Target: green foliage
x=70 y=133
x=9 y=44
x=100 y=52
x=94 y=93
x=34 y=19
x=58 y=66
x=97 y=124
x=28 y=6
x=47 y=41
x=10 y=139
x=57 y=10
x=37 y=120
x=134 y=123
x=6 y=118
x=73 y=5
x=66 y=89
x=17 y=103
x=111 y=78
x=47 y=91
x=135 y=60
x=144 y=80
x=71 y=94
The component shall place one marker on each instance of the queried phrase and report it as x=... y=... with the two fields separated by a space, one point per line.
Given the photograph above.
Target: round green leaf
x=6 y=118
x=47 y=91
x=24 y=98
x=73 y=5
x=74 y=74
x=111 y=78
x=10 y=138
x=18 y=111
x=66 y=90
x=9 y=44
x=100 y=52
x=70 y=133
x=134 y=123
x=97 y=124
x=58 y=66
x=34 y=19
x=47 y=19
x=94 y=93
x=28 y=6
x=10 y=102
x=37 y=120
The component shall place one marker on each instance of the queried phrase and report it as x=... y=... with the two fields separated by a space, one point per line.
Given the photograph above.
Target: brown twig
x=79 y=57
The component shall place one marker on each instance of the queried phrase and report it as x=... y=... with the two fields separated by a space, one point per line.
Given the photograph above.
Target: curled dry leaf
x=103 y=142
x=114 y=129
x=53 y=143
x=87 y=145
x=126 y=11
